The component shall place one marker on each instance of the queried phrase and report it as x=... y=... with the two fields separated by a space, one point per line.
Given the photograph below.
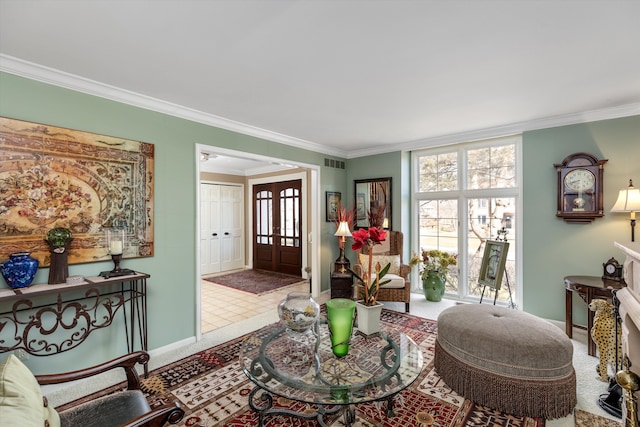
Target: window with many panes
x=464 y=194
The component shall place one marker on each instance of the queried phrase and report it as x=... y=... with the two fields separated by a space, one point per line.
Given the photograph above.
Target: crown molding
x=59 y=78
x=511 y=129
x=21 y=68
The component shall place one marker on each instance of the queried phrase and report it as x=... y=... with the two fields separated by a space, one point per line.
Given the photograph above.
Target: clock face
x=579 y=180
x=610 y=268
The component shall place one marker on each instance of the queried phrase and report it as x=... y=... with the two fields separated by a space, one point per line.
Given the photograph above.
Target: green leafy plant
x=434 y=261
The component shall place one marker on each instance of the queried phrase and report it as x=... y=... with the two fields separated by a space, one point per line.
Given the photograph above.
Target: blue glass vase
x=19 y=270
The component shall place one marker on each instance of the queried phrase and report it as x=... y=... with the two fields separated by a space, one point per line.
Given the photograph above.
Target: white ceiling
x=347 y=78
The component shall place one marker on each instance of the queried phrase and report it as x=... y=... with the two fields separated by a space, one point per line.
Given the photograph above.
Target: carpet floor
x=255 y=281
x=213 y=390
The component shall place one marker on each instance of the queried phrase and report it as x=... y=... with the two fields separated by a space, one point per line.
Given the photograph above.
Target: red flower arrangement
x=369 y=237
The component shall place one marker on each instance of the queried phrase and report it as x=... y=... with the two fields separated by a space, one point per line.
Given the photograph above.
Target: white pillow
x=394 y=260
x=21 y=402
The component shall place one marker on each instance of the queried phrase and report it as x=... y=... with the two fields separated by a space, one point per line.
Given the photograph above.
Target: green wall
x=554 y=248
x=171 y=291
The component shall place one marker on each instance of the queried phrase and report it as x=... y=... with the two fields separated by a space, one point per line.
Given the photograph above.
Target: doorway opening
x=309 y=176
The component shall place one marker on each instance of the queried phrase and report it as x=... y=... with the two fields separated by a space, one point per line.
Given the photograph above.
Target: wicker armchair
x=394 y=291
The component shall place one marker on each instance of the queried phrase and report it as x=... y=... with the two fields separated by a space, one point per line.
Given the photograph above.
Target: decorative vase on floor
x=369 y=317
x=433 y=286
x=340 y=313
x=19 y=270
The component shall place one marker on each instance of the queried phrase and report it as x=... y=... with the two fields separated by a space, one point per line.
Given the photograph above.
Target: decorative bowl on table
x=298 y=311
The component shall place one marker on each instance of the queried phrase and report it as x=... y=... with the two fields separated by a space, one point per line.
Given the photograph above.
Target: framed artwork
x=493 y=262
x=57 y=177
x=333 y=204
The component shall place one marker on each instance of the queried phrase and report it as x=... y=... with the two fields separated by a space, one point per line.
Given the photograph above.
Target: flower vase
x=59 y=240
x=19 y=270
x=340 y=313
x=433 y=286
x=369 y=317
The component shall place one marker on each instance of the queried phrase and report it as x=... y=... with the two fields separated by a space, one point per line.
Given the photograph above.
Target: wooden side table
x=341 y=284
x=588 y=288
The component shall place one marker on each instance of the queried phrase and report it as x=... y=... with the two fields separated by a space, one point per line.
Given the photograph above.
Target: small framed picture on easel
x=493 y=263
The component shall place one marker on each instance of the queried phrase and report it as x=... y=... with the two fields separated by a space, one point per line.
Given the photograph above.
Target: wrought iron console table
x=45 y=319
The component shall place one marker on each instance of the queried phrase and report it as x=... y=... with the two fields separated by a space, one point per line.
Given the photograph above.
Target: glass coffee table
x=302 y=367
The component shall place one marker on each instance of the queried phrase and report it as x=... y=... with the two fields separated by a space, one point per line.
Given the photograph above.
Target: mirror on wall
x=373 y=200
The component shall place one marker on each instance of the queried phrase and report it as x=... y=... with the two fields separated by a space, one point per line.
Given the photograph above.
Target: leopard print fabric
x=604 y=335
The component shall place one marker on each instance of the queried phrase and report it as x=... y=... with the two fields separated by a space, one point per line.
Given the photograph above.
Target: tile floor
x=222 y=306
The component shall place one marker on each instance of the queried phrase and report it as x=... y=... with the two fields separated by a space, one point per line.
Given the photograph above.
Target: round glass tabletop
x=302 y=367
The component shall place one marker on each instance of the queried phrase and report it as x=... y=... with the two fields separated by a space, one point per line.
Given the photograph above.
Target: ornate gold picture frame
x=56 y=177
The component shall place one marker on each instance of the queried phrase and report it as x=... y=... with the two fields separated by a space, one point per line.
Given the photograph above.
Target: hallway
x=222 y=306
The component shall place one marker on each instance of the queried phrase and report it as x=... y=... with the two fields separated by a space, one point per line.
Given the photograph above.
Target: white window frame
x=463 y=194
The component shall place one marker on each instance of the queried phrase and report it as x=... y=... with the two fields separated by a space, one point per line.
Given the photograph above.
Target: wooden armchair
x=124 y=408
x=399 y=290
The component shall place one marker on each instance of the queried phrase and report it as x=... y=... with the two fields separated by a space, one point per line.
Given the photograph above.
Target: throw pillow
x=394 y=260
x=21 y=401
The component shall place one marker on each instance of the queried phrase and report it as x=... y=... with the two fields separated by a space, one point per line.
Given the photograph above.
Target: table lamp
x=629 y=201
x=342 y=233
x=116 y=240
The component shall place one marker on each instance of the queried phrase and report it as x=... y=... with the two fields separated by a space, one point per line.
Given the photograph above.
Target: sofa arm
x=127 y=362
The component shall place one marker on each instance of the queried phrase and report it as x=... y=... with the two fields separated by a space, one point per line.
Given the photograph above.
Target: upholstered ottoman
x=507 y=360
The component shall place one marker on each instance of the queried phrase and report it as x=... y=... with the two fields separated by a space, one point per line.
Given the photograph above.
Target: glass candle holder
x=340 y=312
x=115 y=241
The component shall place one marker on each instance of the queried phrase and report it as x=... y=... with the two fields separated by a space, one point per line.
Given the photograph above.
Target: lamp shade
x=343 y=229
x=628 y=200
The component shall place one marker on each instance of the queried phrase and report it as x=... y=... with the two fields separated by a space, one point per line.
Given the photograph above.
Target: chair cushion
x=396 y=282
x=394 y=260
x=109 y=411
x=21 y=401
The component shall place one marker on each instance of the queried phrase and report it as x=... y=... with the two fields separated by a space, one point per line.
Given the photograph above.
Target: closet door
x=221 y=228
x=209 y=228
x=231 y=222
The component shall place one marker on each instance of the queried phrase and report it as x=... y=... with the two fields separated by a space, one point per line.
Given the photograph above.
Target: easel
x=502 y=237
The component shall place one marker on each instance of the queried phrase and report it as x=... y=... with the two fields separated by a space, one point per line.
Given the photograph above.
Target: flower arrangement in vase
x=370 y=283
x=436 y=266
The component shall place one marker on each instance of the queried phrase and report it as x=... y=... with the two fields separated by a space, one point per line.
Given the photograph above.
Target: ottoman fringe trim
x=539 y=398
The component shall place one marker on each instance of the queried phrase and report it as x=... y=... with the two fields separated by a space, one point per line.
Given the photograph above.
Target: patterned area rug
x=255 y=281
x=213 y=391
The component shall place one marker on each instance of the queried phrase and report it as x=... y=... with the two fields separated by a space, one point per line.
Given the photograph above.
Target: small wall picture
x=333 y=204
x=493 y=262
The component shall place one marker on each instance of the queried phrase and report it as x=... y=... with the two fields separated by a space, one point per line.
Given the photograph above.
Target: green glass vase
x=433 y=286
x=340 y=313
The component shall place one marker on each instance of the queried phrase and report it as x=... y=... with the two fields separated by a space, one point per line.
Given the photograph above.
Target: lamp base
x=612 y=402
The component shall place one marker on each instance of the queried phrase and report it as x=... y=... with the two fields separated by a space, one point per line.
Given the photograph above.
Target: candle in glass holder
x=115 y=247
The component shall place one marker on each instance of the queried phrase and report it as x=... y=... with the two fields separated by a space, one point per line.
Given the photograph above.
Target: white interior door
x=231 y=226
x=209 y=228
